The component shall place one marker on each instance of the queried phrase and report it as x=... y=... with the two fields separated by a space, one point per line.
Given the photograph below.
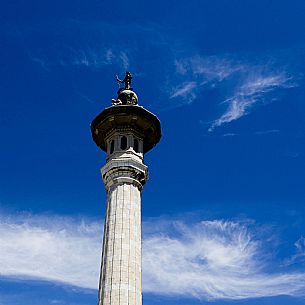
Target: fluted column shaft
x=121 y=279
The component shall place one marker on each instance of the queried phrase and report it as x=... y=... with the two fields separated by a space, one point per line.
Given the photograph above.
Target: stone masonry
x=126 y=133
x=120 y=281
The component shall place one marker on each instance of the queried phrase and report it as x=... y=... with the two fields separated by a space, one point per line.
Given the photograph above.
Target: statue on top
x=126 y=80
x=126 y=96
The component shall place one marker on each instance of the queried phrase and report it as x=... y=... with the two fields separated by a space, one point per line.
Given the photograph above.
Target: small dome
x=128 y=97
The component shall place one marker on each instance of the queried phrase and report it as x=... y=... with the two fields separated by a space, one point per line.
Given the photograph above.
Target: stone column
x=125 y=133
x=121 y=278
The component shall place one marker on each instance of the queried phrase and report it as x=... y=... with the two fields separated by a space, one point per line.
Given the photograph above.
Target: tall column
x=120 y=281
x=126 y=132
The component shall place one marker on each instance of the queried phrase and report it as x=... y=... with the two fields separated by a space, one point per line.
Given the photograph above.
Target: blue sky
x=223 y=211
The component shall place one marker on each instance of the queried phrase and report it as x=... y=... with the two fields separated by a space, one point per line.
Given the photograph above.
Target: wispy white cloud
x=213 y=260
x=193 y=74
x=300 y=245
x=249 y=93
x=185 y=91
x=209 y=68
x=299 y=255
x=230 y=134
x=125 y=60
x=241 y=83
x=42 y=62
x=207 y=260
x=52 y=248
x=84 y=57
x=199 y=72
x=93 y=44
x=266 y=132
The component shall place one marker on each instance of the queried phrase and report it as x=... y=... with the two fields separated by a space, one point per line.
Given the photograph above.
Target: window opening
x=123 y=143
x=136 y=145
x=112 y=146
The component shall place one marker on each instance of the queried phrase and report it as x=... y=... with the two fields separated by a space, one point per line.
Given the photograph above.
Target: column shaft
x=120 y=282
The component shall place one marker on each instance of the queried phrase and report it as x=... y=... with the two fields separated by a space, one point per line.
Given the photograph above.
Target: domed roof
x=127 y=97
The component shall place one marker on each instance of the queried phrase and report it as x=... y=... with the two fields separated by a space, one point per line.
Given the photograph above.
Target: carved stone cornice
x=124 y=170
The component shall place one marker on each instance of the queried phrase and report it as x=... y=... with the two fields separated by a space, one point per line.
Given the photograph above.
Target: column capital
x=124 y=170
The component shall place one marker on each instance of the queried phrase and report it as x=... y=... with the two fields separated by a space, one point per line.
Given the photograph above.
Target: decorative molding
x=124 y=170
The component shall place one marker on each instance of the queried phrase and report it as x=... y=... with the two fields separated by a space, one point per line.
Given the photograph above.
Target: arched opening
x=136 y=145
x=112 y=146
x=123 y=143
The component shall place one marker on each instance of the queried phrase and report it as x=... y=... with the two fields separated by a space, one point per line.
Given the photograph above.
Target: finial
x=126 y=96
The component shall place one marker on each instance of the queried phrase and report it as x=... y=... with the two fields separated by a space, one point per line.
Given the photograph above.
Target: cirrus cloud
x=208 y=260
x=241 y=84
x=252 y=91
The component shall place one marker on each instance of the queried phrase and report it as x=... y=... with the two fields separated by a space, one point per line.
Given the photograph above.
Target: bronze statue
x=126 y=96
x=126 y=80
